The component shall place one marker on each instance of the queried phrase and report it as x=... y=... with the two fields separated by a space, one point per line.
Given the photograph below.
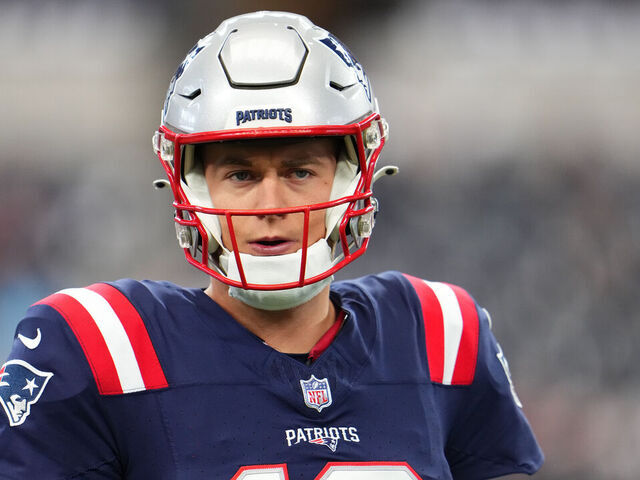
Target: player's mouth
x=272 y=246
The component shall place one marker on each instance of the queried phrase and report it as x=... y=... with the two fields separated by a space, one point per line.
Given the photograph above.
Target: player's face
x=265 y=175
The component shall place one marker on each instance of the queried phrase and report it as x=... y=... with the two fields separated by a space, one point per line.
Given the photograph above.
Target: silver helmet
x=271 y=75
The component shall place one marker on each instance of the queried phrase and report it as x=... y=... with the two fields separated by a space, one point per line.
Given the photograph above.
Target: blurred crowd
x=515 y=126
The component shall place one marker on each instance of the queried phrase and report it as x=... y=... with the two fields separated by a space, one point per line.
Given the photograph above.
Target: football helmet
x=268 y=75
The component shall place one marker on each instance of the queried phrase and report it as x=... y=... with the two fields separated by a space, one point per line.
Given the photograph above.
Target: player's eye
x=240 y=176
x=301 y=174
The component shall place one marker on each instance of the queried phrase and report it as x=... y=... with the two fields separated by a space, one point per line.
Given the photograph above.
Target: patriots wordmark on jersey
x=142 y=380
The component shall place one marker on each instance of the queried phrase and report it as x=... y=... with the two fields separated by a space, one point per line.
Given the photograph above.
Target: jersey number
x=334 y=471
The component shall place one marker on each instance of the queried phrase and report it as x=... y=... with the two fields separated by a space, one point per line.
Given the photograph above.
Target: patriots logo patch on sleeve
x=21 y=386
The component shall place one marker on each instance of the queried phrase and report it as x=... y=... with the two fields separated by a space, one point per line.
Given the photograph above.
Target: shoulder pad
x=113 y=337
x=451 y=331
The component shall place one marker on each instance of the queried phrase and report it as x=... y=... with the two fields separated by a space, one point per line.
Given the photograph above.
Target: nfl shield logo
x=316 y=392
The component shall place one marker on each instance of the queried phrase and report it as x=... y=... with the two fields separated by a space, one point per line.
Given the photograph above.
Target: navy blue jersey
x=148 y=380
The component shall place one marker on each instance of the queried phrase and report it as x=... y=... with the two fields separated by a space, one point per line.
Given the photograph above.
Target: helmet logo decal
x=347 y=57
x=244 y=116
x=185 y=63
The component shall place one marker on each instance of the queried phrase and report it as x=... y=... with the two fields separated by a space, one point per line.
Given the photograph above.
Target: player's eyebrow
x=231 y=160
x=301 y=161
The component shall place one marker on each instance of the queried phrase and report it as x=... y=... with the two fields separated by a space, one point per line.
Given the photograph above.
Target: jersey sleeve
x=490 y=435
x=52 y=422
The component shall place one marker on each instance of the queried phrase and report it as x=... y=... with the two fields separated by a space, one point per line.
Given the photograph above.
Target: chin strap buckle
x=367 y=221
x=183 y=233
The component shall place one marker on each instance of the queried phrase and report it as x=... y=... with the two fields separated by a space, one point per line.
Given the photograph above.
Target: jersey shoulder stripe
x=451 y=331
x=113 y=338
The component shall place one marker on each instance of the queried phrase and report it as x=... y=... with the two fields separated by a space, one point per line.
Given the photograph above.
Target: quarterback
x=269 y=139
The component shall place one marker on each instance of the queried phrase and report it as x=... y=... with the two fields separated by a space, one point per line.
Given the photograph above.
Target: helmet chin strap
x=279 y=299
x=276 y=269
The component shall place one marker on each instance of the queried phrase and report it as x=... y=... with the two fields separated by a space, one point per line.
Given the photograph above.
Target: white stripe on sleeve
x=114 y=336
x=452 y=319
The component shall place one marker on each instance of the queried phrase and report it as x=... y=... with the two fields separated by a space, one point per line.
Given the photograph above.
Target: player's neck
x=295 y=330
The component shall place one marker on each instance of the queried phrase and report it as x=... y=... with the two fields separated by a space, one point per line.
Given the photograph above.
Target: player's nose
x=270 y=195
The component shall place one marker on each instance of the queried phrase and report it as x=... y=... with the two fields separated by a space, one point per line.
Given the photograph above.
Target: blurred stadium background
x=517 y=129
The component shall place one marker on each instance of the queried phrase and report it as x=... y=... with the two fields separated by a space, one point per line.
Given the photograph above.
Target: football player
x=269 y=138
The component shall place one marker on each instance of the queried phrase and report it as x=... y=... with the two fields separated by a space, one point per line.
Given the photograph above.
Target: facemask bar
x=356 y=223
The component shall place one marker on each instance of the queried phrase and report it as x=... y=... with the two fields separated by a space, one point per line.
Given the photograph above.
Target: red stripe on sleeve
x=466 y=360
x=433 y=327
x=90 y=339
x=150 y=368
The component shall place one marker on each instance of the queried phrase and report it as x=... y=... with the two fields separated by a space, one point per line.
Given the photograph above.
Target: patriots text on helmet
x=244 y=116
